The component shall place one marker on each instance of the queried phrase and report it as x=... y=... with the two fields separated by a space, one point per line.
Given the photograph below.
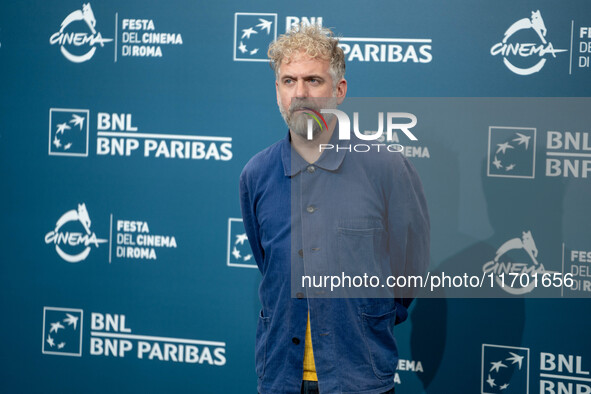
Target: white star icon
x=247 y=32
x=522 y=139
x=490 y=381
x=503 y=147
x=495 y=366
x=516 y=359
x=56 y=326
x=236 y=253
x=265 y=25
x=77 y=120
x=71 y=320
x=497 y=163
x=240 y=238
x=50 y=341
x=61 y=127
x=242 y=47
x=56 y=142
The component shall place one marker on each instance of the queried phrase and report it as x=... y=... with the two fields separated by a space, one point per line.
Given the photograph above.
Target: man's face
x=306 y=83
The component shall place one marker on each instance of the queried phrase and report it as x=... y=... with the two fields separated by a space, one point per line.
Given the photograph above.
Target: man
x=308 y=211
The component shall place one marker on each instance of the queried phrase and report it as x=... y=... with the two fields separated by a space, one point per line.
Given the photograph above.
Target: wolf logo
x=85 y=14
x=526 y=243
x=75 y=215
x=535 y=22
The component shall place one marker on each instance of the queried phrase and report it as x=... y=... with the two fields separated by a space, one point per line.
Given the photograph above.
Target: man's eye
x=287 y=81
x=314 y=81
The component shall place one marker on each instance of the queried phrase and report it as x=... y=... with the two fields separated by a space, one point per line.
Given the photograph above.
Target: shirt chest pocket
x=361 y=249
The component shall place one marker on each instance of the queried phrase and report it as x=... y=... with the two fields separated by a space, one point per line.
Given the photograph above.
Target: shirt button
x=311 y=209
x=296 y=341
x=301 y=253
x=311 y=169
x=300 y=295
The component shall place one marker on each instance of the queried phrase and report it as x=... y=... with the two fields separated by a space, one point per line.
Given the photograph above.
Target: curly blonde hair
x=316 y=42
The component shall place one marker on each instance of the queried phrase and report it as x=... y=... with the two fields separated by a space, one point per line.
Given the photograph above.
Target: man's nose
x=301 y=89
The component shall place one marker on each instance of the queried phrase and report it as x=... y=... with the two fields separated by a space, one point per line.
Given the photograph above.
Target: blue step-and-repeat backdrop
x=124 y=126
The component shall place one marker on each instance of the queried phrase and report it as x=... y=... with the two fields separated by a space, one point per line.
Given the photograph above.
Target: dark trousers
x=310 y=387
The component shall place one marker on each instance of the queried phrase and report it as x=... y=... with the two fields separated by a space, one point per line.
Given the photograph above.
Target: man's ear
x=341 y=90
x=277 y=92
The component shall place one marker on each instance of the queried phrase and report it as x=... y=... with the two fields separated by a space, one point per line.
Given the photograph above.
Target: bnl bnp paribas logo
x=78 y=37
x=68 y=132
x=524 y=47
x=511 y=152
x=62 y=331
x=252 y=35
x=239 y=253
x=253 y=32
x=117 y=135
x=112 y=337
x=505 y=369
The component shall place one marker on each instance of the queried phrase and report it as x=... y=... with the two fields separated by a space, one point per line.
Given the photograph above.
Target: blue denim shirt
x=298 y=217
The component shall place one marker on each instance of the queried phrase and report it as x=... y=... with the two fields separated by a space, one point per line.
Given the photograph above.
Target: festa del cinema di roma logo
x=78 y=37
x=67 y=242
x=517 y=51
x=128 y=239
x=510 y=257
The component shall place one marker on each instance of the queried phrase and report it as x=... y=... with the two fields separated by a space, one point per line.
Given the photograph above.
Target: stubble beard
x=297 y=120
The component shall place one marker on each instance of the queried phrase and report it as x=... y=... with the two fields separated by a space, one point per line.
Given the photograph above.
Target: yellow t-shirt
x=309 y=366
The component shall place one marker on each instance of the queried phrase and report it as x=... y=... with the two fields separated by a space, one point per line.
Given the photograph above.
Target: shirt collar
x=293 y=163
